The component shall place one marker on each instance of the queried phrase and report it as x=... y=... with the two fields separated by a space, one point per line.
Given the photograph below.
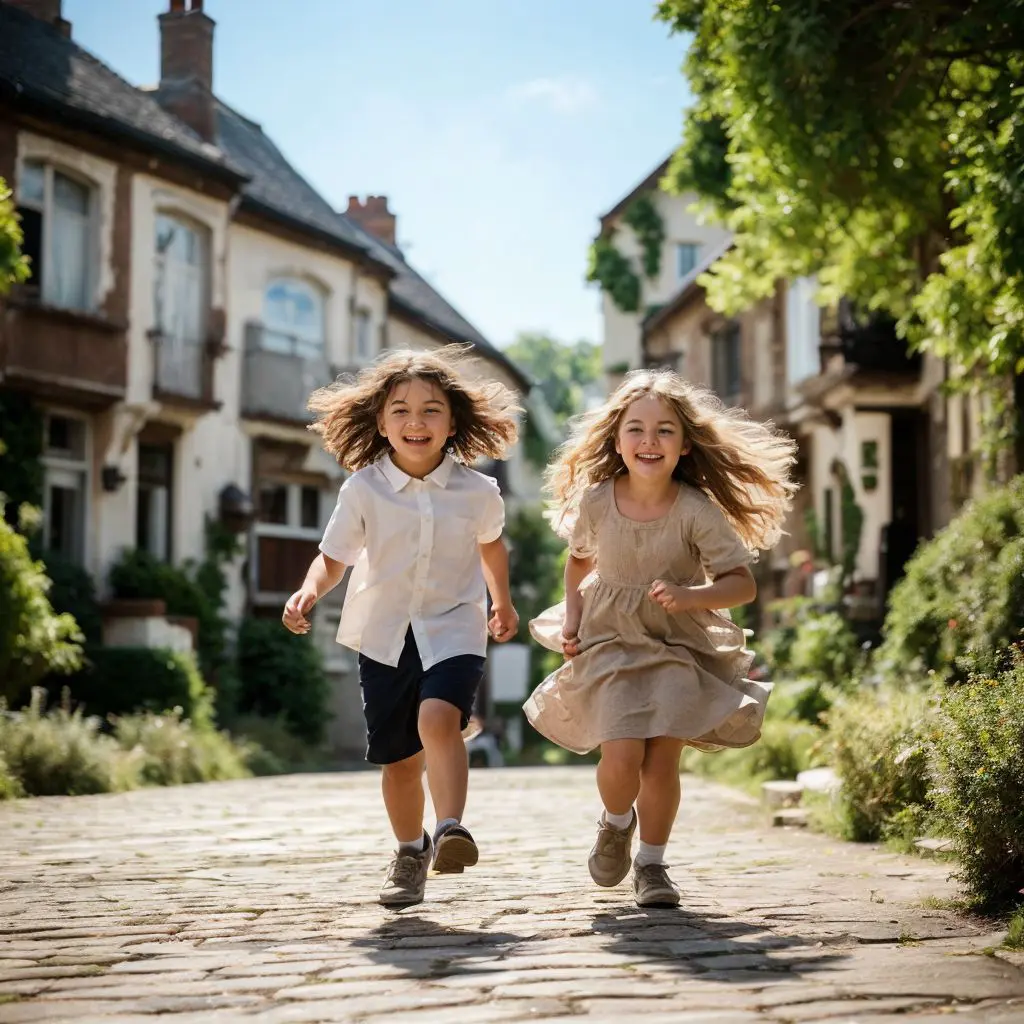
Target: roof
x=651 y=181
x=276 y=188
x=40 y=68
x=411 y=293
x=688 y=289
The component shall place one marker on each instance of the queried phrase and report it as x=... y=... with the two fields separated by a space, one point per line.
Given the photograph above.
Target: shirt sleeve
x=492 y=518
x=345 y=535
x=716 y=541
x=583 y=539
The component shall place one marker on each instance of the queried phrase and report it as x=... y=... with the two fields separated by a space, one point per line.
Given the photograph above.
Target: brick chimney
x=373 y=216
x=45 y=10
x=186 y=66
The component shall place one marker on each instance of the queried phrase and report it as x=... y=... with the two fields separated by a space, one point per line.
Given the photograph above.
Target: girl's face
x=650 y=439
x=417 y=421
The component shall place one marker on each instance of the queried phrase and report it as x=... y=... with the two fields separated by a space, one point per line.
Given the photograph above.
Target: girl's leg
x=446 y=757
x=402 y=788
x=658 y=801
x=618 y=774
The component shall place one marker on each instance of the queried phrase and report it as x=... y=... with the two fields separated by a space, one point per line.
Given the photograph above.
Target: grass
x=1015 y=931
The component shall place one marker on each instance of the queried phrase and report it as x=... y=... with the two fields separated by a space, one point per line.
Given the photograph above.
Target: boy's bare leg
x=402 y=788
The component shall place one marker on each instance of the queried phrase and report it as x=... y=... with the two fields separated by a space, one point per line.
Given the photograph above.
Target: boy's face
x=417 y=421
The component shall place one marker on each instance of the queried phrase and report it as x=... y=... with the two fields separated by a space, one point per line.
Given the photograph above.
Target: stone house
x=189 y=288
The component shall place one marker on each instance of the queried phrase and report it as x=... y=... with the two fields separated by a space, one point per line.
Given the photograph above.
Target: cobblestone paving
x=254 y=901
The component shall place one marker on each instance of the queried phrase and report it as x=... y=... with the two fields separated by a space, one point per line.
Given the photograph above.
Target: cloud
x=565 y=94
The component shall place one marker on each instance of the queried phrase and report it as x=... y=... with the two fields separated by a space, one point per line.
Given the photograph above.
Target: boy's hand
x=504 y=623
x=299 y=605
x=674 y=599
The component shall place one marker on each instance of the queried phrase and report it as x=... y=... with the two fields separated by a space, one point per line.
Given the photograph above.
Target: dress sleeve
x=583 y=539
x=717 y=543
x=345 y=535
x=492 y=517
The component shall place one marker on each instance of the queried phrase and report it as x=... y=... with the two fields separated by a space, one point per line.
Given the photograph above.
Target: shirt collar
x=398 y=479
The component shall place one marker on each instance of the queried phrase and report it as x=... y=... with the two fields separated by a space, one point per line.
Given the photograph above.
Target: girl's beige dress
x=640 y=671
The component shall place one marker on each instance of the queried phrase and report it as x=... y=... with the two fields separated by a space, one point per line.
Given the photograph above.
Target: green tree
x=878 y=145
x=562 y=371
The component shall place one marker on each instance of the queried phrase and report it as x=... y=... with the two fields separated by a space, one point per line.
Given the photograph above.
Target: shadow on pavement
x=719 y=947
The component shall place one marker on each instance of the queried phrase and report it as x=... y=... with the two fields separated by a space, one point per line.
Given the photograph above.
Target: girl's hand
x=570 y=642
x=504 y=623
x=674 y=599
x=299 y=605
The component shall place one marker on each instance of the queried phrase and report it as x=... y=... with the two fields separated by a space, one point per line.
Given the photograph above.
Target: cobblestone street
x=255 y=901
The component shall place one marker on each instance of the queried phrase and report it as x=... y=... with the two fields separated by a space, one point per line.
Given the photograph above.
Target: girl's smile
x=417 y=421
x=650 y=438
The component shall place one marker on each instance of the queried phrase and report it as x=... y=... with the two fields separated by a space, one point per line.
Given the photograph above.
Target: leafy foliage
x=282 y=676
x=561 y=370
x=880 y=146
x=13 y=266
x=961 y=601
x=21 y=449
x=34 y=640
x=607 y=267
x=978 y=765
x=643 y=217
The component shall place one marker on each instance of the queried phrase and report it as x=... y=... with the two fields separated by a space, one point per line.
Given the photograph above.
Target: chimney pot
x=374 y=217
x=45 y=10
x=186 y=66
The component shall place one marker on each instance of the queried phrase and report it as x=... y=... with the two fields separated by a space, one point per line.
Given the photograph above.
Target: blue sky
x=499 y=129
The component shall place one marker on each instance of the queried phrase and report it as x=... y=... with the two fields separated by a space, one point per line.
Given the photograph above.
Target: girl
x=663 y=494
x=424 y=534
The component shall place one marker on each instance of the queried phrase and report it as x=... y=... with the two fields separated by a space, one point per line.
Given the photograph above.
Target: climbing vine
x=21 y=449
x=614 y=272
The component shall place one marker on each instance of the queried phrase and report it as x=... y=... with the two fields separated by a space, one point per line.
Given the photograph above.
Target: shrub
x=10 y=787
x=274 y=749
x=34 y=640
x=963 y=593
x=73 y=591
x=173 y=751
x=825 y=650
x=978 y=767
x=878 y=746
x=63 y=753
x=119 y=680
x=282 y=675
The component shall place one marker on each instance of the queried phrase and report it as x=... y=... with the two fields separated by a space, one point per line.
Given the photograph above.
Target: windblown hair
x=484 y=412
x=740 y=464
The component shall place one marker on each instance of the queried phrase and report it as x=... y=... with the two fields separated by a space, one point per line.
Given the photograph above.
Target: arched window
x=56 y=212
x=293 y=318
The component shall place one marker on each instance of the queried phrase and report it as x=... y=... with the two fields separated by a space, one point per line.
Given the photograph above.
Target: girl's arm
x=504 y=622
x=729 y=590
x=576 y=571
x=324 y=575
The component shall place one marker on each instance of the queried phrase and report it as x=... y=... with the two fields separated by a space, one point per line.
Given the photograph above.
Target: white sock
x=443 y=824
x=416 y=846
x=619 y=821
x=650 y=854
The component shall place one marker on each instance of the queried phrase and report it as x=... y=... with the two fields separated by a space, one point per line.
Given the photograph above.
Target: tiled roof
x=41 y=69
x=275 y=186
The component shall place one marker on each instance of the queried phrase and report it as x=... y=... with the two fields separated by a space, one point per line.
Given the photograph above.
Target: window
x=153 y=508
x=293 y=317
x=56 y=219
x=180 y=304
x=296 y=506
x=65 y=486
x=686 y=258
x=725 y=362
x=363 y=336
x=803 y=330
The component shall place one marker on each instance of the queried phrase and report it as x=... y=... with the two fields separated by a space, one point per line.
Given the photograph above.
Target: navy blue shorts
x=392 y=696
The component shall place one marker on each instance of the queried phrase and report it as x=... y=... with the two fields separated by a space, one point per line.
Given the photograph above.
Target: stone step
x=781 y=793
x=819 y=780
x=793 y=817
x=927 y=844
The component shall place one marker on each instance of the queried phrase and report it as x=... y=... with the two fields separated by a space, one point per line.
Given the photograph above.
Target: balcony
x=65 y=355
x=183 y=372
x=278 y=374
x=870 y=344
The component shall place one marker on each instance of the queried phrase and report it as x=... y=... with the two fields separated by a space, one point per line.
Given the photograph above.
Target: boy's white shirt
x=413 y=545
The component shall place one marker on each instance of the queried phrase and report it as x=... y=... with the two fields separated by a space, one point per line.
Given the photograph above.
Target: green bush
x=282 y=676
x=978 y=767
x=63 y=753
x=825 y=649
x=961 y=602
x=274 y=749
x=34 y=640
x=10 y=787
x=173 y=751
x=73 y=591
x=878 y=747
x=119 y=680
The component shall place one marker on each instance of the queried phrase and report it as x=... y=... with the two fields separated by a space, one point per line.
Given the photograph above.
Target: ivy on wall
x=615 y=273
x=21 y=450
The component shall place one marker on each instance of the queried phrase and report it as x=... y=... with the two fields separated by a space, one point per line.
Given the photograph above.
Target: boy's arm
x=324 y=574
x=504 y=622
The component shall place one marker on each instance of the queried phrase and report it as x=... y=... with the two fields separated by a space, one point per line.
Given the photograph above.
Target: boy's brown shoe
x=611 y=856
x=407 y=877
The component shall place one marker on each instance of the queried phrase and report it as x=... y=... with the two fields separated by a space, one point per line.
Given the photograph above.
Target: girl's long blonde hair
x=484 y=413
x=742 y=465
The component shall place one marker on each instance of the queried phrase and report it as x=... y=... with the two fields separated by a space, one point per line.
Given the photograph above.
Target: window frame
x=292 y=527
x=694 y=247
x=47 y=210
x=726 y=372
x=79 y=464
x=305 y=346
